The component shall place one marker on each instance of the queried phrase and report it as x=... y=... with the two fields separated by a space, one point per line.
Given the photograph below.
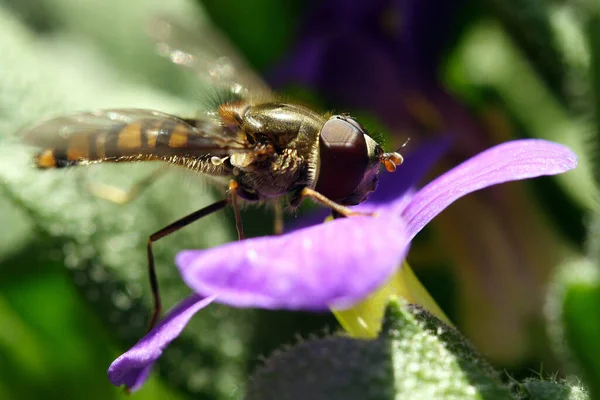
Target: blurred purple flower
x=335 y=264
x=382 y=56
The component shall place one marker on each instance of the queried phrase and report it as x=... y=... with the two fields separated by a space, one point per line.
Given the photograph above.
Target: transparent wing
x=50 y=132
x=209 y=55
x=117 y=133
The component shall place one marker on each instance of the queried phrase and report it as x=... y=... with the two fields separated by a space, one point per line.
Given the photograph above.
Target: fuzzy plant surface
x=57 y=59
x=415 y=356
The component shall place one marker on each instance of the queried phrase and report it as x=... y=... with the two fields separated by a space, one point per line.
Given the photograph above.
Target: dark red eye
x=343 y=156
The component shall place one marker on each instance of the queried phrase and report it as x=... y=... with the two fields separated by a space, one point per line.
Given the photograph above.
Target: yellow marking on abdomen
x=46 y=159
x=152 y=138
x=179 y=136
x=78 y=148
x=130 y=137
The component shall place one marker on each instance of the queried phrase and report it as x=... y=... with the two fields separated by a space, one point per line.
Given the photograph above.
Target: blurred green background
x=73 y=290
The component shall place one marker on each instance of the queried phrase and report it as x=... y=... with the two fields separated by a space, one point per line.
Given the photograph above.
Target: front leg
x=234 y=193
x=318 y=197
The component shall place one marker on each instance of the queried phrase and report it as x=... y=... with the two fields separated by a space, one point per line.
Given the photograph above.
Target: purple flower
x=335 y=264
x=384 y=57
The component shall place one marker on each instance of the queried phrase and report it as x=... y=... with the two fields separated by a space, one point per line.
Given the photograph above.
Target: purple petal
x=132 y=368
x=330 y=265
x=511 y=161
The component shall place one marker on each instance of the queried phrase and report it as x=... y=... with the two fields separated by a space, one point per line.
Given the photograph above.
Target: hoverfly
x=263 y=149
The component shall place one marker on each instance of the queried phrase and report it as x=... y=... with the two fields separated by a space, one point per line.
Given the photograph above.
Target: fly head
x=349 y=161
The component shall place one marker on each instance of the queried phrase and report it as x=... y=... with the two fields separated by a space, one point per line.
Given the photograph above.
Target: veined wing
x=209 y=55
x=119 y=135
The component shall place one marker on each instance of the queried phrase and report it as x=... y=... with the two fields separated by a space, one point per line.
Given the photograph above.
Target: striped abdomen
x=144 y=139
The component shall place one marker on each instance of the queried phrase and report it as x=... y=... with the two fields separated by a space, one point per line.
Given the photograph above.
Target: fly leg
x=234 y=188
x=336 y=208
x=119 y=196
x=173 y=227
x=278 y=219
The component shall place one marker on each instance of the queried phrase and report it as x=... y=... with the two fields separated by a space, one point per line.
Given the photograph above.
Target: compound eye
x=343 y=156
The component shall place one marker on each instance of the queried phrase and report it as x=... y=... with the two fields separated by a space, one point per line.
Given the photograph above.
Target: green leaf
x=593 y=36
x=528 y=23
x=416 y=356
x=526 y=98
x=50 y=214
x=444 y=363
x=549 y=390
x=51 y=343
x=573 y=307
